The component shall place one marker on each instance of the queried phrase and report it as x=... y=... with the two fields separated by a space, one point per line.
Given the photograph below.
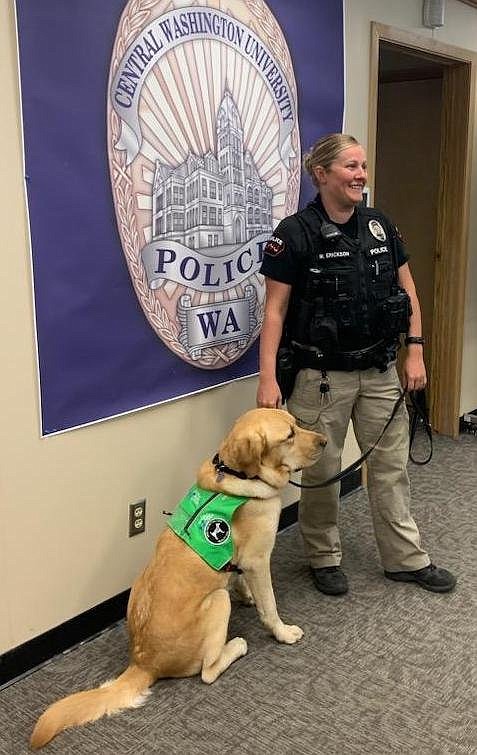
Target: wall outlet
x=137 y=518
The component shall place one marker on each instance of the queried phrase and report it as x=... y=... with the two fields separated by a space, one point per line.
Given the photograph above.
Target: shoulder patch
x=398 y=234
x=274 y=246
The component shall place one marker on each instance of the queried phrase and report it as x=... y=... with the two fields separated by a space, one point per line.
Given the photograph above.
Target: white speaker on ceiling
x=433 y=13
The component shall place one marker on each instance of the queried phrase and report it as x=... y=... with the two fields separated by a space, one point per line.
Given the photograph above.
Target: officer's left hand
x=415 y=378
x=268 y=394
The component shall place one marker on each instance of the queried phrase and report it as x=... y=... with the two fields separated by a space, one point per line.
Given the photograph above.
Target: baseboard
x=35 y=652
x=24 y=658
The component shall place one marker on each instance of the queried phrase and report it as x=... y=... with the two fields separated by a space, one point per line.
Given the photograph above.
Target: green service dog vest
x=203 y=520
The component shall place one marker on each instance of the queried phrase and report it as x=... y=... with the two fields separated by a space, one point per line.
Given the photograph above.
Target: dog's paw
x=288 y=633
x=240 y=646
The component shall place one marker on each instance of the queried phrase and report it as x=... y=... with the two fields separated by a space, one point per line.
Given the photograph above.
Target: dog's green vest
x=203 y=520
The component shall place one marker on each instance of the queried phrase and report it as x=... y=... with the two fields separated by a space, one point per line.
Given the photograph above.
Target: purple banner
x=162 y=146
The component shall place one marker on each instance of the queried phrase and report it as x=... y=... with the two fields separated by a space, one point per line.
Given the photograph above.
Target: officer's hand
x=268 y=393
x=415 y=378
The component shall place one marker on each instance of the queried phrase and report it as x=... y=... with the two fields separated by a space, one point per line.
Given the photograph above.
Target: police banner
x=162 y=146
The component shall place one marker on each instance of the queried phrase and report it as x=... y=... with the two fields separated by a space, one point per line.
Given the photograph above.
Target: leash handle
x=352 y=467
x=419 y=412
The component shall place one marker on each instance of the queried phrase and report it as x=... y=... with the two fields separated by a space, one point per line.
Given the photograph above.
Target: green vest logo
x=217 y=531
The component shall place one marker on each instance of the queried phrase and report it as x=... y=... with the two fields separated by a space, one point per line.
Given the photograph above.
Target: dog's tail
x=129 y=690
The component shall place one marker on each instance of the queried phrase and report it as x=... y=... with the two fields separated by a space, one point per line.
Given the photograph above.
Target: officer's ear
x=320 y=174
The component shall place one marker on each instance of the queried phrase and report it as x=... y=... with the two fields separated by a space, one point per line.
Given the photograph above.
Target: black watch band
x=414 y=339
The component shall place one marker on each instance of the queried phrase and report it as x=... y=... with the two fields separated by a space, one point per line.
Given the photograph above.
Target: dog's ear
x=243 y=451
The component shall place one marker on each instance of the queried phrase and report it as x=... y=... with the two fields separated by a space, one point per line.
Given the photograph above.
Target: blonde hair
x=324 y=151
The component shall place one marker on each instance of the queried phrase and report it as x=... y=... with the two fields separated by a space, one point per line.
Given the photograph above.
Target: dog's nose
x=323 y=442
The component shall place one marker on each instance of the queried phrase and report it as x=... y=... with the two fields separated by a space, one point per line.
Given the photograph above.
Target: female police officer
x=338 y=293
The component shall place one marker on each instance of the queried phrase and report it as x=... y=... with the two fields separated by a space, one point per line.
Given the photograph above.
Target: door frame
x=457 y=126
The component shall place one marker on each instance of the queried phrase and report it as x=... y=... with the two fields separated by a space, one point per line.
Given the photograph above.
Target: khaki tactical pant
x=367 y=398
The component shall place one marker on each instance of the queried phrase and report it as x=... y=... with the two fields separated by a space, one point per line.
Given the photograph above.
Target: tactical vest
x=347 y=310
x=203 y=520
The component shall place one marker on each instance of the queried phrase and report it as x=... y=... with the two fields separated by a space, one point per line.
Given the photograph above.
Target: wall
x=64 y=499
x=63 y=534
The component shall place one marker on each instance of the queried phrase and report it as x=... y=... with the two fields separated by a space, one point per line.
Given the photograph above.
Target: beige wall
x=63 y=506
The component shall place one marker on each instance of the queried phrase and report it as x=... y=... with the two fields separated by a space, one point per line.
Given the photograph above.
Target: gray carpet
x=387 y=668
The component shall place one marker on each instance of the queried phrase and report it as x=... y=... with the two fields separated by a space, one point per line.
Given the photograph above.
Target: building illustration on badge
x=204 y=156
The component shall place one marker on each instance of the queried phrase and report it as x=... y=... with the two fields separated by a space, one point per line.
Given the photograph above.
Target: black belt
x=377 y=355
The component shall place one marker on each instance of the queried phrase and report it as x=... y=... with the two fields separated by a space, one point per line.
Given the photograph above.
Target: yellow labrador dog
x=179 y=608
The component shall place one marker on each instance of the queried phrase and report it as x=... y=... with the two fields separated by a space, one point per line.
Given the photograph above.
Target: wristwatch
x=414 y=339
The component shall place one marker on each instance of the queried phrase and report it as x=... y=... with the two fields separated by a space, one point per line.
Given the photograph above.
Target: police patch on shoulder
x=377 y=230
x=398 y=234
x=274 y=246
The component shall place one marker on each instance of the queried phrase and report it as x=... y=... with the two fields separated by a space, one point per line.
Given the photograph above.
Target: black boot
x=430 y=578
x=330 y=580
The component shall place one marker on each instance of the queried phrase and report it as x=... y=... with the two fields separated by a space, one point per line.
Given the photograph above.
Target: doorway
x=419 y=148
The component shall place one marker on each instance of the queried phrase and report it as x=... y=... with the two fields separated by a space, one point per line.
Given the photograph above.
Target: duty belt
x=377 y=355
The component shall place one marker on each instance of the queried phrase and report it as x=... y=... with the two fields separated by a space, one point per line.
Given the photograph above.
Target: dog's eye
x=290 y=435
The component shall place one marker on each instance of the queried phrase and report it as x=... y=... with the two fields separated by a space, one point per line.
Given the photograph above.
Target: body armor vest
x=348 y=310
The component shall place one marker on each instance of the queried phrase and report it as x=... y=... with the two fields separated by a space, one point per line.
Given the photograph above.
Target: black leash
x=356 y=464
x=418 y=414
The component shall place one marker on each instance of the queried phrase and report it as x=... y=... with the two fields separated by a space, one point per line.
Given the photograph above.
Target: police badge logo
x=204 y=158
x=377 y=230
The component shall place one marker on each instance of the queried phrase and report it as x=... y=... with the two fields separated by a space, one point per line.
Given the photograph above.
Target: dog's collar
x=222 y=469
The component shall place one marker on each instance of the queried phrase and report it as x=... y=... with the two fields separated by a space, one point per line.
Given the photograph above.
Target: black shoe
x=430 y=578
x=331 y=580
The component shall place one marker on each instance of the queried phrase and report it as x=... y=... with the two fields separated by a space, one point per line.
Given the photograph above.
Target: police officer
x=339 y=292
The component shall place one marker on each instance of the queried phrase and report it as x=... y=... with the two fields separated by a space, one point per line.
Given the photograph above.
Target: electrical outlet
x=137 y=518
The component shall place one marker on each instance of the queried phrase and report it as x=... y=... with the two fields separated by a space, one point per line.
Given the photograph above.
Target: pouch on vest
x=287 y=368
x=396 y=311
